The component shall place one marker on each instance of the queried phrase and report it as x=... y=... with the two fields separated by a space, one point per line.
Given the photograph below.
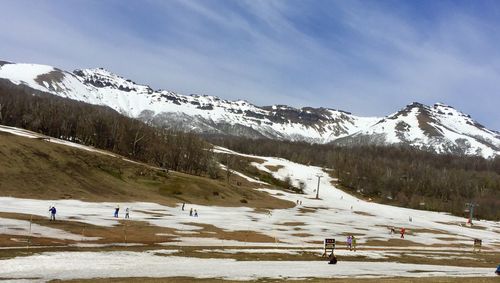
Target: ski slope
x=296 y=230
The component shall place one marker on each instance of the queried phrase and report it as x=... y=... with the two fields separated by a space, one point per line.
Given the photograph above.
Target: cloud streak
x=367 y=57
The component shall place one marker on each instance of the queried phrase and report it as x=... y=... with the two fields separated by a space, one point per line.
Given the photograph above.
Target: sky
x=369 y=57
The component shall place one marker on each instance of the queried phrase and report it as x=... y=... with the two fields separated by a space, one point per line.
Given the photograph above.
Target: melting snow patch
x=85 y=265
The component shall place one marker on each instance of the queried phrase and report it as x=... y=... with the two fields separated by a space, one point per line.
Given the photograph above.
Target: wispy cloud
x=367 y=57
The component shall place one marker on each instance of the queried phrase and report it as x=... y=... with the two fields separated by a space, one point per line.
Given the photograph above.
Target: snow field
x=85 y=265
x=336 y=214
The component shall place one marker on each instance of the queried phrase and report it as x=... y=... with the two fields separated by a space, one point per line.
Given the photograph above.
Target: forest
x=103 y=128
x=396 y=175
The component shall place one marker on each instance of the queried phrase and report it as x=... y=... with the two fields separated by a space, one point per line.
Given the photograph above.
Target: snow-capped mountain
x=440 y=128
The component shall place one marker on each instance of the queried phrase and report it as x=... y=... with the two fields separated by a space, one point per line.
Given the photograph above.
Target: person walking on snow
x=191 y=212
x=403 y=233
x=349 y=243
x=52 y=213
x=353 y=240
x=195 y=213
x=183 y=204
x=127 y=215
x=117 y=209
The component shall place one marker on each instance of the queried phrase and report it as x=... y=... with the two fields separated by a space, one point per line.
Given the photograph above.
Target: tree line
x=103 y=128
x=397 y=175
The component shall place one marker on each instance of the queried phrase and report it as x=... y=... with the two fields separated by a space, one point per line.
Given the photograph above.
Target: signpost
x=329 y=245
x=317 y=190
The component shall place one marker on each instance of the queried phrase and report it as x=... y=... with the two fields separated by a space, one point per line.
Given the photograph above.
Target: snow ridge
x=439 y=128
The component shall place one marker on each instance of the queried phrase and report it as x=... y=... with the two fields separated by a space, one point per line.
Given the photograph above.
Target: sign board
x=329 y=245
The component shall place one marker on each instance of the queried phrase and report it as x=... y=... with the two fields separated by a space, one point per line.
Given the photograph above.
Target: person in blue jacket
x=53 y=213
x=498 y=270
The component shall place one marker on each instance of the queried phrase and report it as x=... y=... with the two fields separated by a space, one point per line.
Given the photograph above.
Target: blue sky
x=367 y=57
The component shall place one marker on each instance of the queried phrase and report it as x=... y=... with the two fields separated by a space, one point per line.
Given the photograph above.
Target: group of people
x=402 y=231
x=53 y=211
x=191 y=212
x=351 y=242
x=117 y=209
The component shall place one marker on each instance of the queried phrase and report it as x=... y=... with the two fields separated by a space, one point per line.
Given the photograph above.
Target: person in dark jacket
x=117 y=209
x=53 y=213
x=332 y=259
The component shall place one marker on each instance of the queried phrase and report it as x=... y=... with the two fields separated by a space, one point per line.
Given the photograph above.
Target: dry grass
x=37 y=169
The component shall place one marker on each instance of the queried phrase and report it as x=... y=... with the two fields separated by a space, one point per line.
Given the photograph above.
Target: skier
x=353 y=240
x=117 y=208
x=183 y=204
x=127 y=215
x=191 y=212
x=393 y=231
x=349 y=243
x=195 y=213
x=403 y=233
x=52 y=213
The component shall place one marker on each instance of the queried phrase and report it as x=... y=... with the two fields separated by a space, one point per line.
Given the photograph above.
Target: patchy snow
x=25 y=74
x=223 y=167
x=85 y=265
x=335 y=214
x=22 y=228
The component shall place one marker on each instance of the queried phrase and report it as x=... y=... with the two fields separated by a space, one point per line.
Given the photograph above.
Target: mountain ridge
x=440 y=128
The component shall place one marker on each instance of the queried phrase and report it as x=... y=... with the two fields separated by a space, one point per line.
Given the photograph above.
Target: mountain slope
x=438 y=128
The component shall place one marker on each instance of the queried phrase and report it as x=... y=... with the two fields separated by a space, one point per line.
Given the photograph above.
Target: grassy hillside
x=34 y=168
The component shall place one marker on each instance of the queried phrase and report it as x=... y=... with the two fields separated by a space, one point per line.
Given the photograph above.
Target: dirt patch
x=293 y=223
x=274 y=168
x=306 y=210
x=363 y=213
x=210 y=231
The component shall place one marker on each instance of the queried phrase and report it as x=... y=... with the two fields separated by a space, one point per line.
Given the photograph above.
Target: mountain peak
x=102 y=78
x=440 y=128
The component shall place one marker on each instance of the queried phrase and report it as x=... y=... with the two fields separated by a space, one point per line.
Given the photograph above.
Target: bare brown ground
x=128 y=231
x=307 y=210
x=274 y=168
x=210 y=231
